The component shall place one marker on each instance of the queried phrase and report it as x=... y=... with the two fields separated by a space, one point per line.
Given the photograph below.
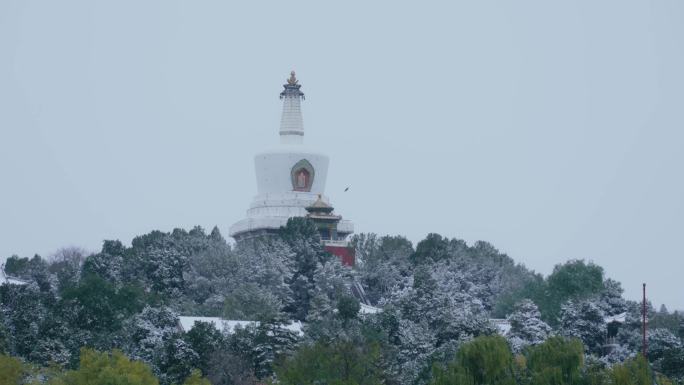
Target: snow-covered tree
x=177 y=361
x=229 y=368
x=303 y=239
x=618 y=354
x=111 y=264
x=28 y=315
x=323 y=322
x=527 y=328
x=5 y=337
x=416 y=347
x=205 y=340
x=263 y=344
x=153 y=337
x=66 y=266
x=610 y=299
x=249 y=301
x=672 y=364
x=34 y=270
x=163 y=257
x=382 y=263
x=434 y=316
x=267 y=264
x=660 y=341
x=583 y=320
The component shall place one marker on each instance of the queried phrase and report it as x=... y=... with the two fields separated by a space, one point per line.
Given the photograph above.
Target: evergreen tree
x=228 y=368
x=34 y=270
x=163 y=257
x=205 y=340
x=672 y=364
x=111 y=264
x=348 y=307
x=584 y=320
x=573 y=280
x=27 y=312
x=435 y=314
x=660 y=341
x=382 y=264
x=152 y=336
x=301 y=235
x=99 y=306
x=610 y=299
x=433 y=248
x=272 y=340
x=251 y=301
x=66 y=265
x=16 y=266
x=527 y=328
x=5 y=337
x=177 y=361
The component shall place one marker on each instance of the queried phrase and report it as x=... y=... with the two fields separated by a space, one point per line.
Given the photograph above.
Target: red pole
x=644 y=346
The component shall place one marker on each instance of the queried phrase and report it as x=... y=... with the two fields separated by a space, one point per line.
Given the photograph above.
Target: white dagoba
x=290 y=178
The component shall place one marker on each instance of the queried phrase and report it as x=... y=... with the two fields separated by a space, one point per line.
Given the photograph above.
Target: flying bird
x=347 y=189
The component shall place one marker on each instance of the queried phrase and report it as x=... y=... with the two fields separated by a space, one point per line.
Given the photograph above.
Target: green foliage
x=672 y=363
x=12 y=371
x=343 y=363
x=303 y=239
x=299 y=231
x=488 y=359
x=16 y=266
x=557 y=361
x=484 y=360
x=383 y=263
x=4 y=336
x=32 y=323
x=177 y=360
x=107 y=369
x=196 y=378
x=573 y=280
x=100 y=306
x=66 y=266
x=531 y=287
x=633 y=372
x=250 y=302
x=348 y=307
x=431 y=249
x=205 y=340
x=583 y=320
x=434 y=299
x=666 y=320
x=662 y=380
x=113 y=264
x=230 y=368
x=34 y=269
x=271 y=342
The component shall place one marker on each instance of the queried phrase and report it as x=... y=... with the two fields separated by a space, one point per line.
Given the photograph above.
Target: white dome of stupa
x=290 y=177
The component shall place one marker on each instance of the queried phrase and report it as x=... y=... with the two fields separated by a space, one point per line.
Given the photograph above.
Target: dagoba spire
x=291 y=122
x=291 y=183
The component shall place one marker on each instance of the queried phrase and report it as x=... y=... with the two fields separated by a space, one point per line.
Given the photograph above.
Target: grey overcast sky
x=551 y=129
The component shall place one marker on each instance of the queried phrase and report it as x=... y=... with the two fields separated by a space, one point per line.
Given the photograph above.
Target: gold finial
x=292 y=80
